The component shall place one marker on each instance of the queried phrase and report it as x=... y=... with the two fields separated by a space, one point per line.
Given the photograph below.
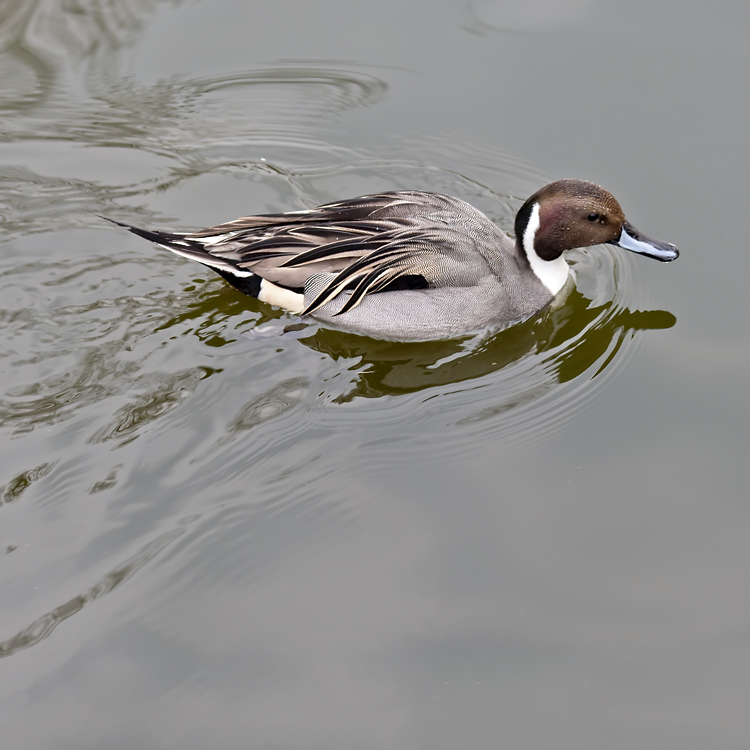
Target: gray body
x=423 y=314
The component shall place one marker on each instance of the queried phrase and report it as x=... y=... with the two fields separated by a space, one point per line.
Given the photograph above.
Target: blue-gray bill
x=631 y=239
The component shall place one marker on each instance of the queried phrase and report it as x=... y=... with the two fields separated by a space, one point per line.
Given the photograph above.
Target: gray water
x=215 y=532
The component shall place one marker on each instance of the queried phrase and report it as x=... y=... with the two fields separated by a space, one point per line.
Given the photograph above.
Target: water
x=222 y=529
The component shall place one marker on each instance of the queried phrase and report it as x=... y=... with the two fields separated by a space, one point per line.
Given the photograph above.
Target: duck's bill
x=631 y=239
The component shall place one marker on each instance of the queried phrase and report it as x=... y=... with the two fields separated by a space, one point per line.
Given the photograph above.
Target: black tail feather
x=195 y=251
x=160 y=238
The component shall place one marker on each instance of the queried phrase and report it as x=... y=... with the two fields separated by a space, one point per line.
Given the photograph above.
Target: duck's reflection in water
x=566 y=341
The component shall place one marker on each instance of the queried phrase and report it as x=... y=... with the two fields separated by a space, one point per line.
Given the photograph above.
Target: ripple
x=13 y=490
x=161 y=392
x=194 y=126
x=42 y=40
x=525 y=16
x=269 y=405
x=60 y=358
x=43 y=626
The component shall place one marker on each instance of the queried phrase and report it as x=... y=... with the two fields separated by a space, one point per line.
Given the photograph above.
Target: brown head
x=574 y=213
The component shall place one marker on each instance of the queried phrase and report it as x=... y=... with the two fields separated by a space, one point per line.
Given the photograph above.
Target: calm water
x=215 y=533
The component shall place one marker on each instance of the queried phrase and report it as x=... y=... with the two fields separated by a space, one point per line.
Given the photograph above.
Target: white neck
x=552 y=273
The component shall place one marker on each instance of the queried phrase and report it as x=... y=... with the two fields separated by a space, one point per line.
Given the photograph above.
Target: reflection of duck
x=569 y=339
x=413 y=265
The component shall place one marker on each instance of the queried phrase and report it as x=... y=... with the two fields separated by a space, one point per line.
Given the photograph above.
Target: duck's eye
x=593 y=217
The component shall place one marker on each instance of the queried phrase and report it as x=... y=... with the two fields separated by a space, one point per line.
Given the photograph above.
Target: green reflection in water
x=568 y=341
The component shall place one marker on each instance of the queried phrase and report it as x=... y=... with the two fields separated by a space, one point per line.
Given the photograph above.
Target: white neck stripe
x=552 y=273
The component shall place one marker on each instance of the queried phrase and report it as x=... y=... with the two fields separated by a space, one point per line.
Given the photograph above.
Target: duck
x=411 y=265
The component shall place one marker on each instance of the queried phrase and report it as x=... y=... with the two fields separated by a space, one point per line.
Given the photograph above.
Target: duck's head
x=574 y=213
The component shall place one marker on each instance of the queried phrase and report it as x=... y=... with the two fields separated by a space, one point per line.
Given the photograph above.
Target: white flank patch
x=277 y=295
x=552 y=273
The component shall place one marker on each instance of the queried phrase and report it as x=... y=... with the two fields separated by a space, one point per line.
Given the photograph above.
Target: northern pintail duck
x=411 y=265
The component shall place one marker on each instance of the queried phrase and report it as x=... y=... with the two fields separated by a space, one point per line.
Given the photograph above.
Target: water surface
x=221 y=529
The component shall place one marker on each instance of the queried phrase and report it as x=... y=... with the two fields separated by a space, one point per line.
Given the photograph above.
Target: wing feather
x=362 y=245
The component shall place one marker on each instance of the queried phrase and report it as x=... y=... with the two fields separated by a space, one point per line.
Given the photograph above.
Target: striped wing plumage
x=365 y=245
